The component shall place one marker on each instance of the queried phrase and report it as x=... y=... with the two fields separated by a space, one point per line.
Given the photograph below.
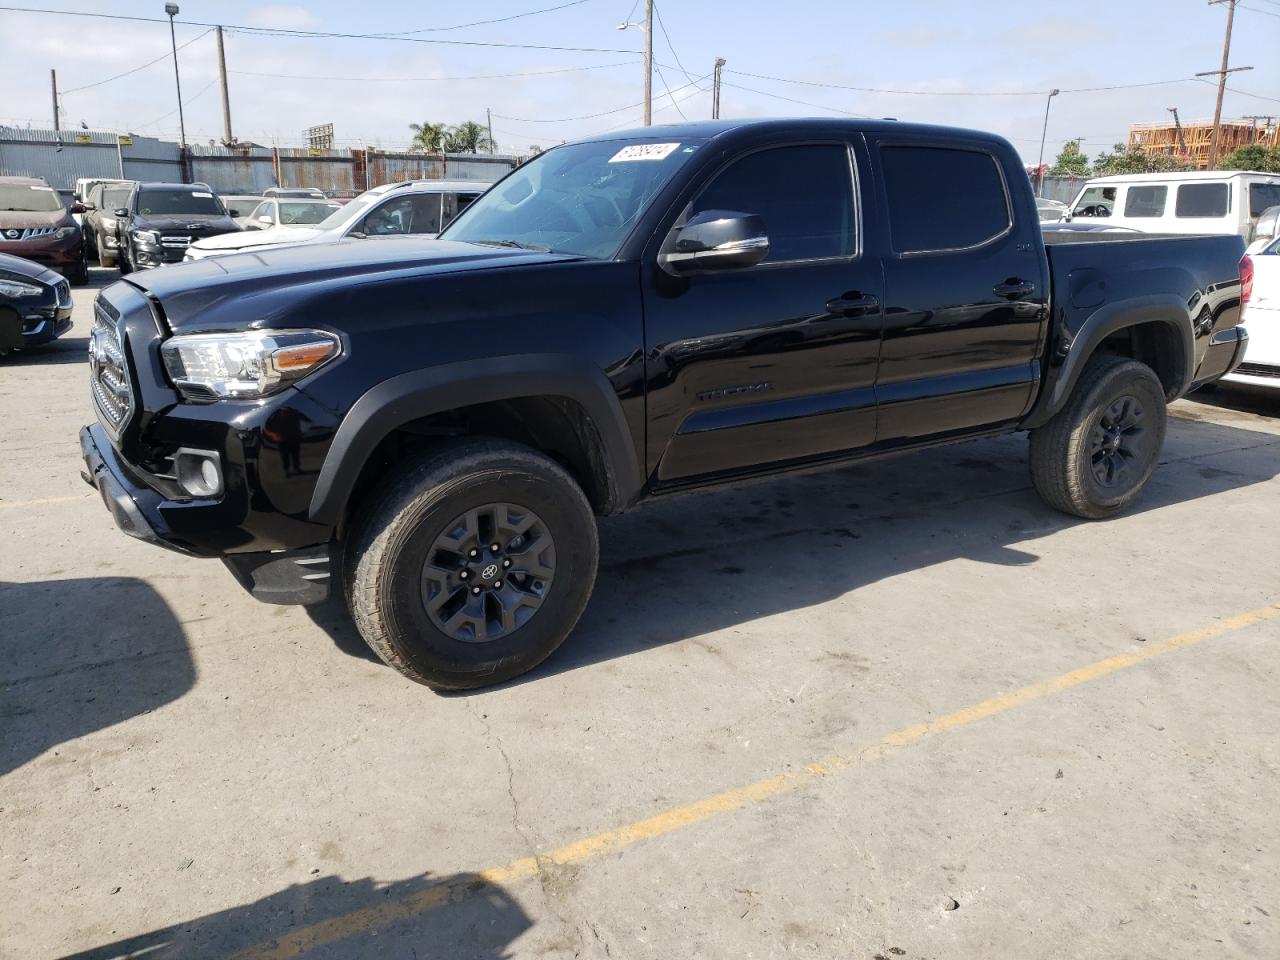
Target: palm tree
x=469 y=137
x=429 y=136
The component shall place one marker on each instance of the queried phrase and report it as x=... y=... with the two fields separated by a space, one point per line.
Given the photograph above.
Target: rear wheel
x=471 y=564
x=79 y=272
x=1097 y=453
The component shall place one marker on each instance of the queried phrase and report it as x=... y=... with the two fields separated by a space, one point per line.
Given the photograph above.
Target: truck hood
x=257 y=288
x=199 y=225
x=272 y=236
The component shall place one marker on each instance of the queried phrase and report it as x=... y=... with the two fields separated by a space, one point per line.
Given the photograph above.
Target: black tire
x=1097 y=453
x=126 y=266
x=104 y=258
x=79 y=274
x=394 y=551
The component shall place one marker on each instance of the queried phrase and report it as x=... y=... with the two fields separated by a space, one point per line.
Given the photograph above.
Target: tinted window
x=454 y=204
x=162 y=202
x=415 y=213
x=1145 y=201
x=942 y=199
x=1261 y=196
x=113 y=198
x=803 y=194
x=1202 y=200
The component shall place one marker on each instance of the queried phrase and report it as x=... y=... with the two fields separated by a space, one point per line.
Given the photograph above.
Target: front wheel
x=469 y=565
x=1097 y=453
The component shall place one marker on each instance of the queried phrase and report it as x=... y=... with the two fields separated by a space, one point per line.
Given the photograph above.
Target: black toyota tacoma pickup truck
x=432 y=425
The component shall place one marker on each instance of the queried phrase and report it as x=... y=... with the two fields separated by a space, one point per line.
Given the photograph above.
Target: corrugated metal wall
x=62 y=158
x=1062 y=188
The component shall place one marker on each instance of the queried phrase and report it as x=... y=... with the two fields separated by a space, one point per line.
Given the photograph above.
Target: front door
x=773 y=363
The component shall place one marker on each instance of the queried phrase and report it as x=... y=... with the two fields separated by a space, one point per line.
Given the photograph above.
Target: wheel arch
x=1155 y=330
x=553 y=394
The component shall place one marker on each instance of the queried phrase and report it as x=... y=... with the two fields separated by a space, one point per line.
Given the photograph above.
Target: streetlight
x=1044 y=133
x=647 y=27
x=172 y=10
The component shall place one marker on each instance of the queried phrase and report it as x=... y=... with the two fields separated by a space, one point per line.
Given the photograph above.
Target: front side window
x=943 y=198
x=454 y=204
x=152 y=203
x=262 y=210
x=413 y=213
x=804 y=194
x=1262 y=196
x=1145 y=201
x=582 y=198
x=1095 y=202
x=1203 y=200
x=113 y=198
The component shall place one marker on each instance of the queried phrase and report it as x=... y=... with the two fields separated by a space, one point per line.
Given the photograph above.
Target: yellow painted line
x=37 y=503
x=341 y=927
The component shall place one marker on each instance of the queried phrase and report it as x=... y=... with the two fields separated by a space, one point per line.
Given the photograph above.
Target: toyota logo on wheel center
x=489 y=572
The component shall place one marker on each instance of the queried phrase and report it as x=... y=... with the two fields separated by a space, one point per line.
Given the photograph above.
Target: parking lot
x=896 y=710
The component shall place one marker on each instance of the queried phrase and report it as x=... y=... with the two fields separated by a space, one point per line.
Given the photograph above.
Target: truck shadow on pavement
x=461 y=917
x=686 y=566
x=82 y=655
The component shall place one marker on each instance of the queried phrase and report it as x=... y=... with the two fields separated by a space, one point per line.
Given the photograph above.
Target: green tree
x=1071 y=162
x=1123 y=160
x=429 y=136
x=469 y=137
x=1253 y=157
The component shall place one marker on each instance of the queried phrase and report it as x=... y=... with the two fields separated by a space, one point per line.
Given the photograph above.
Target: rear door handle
x=1014 y=289
x=852 y=304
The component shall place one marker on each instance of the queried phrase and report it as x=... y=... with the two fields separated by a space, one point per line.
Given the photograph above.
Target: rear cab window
x=943 y=198
x=1202 y=200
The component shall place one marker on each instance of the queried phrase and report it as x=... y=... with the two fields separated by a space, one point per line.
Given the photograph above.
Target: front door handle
x=1014 y=289
x=852 y=304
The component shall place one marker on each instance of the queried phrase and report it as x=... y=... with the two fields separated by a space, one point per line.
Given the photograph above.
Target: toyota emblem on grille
x=97 y=352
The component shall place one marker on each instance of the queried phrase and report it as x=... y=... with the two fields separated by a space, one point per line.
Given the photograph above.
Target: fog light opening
x=199 y=472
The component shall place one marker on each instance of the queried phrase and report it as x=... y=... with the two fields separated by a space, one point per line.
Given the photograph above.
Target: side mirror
x=716 y=240
x=232 y=212
x=121 y=212
x=265 y=219
x=77 y=207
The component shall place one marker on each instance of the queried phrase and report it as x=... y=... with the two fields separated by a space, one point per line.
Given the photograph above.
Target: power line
x=667 y=37
x=186 y=102
x=1265 y=13
x=317 y=34
x=668 y=89
x=592 y=116
x=806 y=103
x=480 y=23
x=150 y=63
x=478 y=76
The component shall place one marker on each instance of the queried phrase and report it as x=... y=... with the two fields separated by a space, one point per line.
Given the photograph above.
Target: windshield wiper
x=535 y=247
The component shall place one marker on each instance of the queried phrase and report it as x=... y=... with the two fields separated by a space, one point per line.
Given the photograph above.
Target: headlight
x=255 y=363
x=108 y=223
x=63 y=232
x=146 y=236
x=11 y=286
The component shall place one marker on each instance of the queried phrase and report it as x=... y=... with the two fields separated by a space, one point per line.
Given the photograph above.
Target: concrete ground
x=900 y=710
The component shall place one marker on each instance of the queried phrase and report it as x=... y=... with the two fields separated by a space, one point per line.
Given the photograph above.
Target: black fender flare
x=1166 y=309
x=407 y=397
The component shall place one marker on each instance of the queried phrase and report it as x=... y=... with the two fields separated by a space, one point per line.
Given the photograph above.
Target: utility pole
x=648 y=63
x=488 y=115
x=715 y=89
x=53 y=77
x=1222 y=81
x=226 y=97
x=1043 y=134
x=172 y=10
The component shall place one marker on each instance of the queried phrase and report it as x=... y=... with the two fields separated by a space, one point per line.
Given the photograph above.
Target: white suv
x=421 y=207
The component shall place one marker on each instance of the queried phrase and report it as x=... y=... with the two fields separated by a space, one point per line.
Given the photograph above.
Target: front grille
x=177 y=242
x=1258 y=370
x=25 y=233
x=109 y=369
x=63 y=291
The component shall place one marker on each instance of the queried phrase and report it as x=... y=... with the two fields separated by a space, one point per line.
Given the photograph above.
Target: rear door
x=965 y=290
x=772 y=363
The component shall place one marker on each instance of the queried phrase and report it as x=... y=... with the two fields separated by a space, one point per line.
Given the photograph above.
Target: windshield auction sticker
x=644 y=151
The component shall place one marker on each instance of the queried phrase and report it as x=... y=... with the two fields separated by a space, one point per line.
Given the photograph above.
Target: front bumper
x=61 y=255
x=38 y=330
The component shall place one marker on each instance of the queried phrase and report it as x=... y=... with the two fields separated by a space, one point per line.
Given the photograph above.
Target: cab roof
x=709 y=129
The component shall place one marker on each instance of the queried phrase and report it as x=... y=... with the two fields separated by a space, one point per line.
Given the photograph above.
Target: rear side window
x=1263 y=195
x=1203 y=200
x=943 y=198
x=803 y=194
x=1145 y=201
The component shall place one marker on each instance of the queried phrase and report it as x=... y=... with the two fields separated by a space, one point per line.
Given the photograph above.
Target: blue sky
x=921 y=47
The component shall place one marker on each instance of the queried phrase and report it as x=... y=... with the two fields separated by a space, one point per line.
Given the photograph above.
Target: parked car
x=35 y=225
x=414 y=206
x=101 y=238
x=1051 y=211
x=431 y=424
x=1260 y=306
x=1205 y=201
x=298 y=192
x=84 y=186
x=162 y=219
x=288 y=213
x=35 y=304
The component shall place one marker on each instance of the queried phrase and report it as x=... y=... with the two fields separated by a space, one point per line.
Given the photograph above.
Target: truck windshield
x=161 y=203
x=582 y=199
